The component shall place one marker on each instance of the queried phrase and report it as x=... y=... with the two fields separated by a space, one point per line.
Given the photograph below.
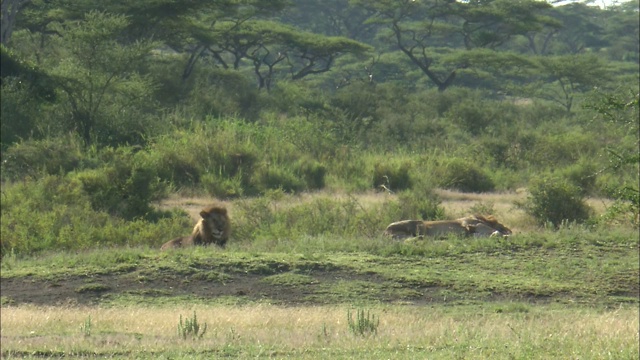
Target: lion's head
x=213 y=228
x=489 y=221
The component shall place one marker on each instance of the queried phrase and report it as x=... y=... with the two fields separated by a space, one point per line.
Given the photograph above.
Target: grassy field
x=540 y=294
x=497 y=331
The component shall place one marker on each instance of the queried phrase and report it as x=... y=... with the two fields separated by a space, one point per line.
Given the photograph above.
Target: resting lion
x=213 y=228
x=479 y=225
x=475 y=225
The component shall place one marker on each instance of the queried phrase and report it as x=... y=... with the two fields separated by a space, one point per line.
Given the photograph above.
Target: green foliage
x=191 y=328
x=419 y=203
x=569 y=75
x=622 y=109
x=311 y=172
x=56 y=212
x=583 y=175
x=276 y=176
x=482 y=208
x=86 y=327
x=478 y=115
x=556 y=201
x=463 y=175
x=106 y=98
x=221 y=93
x=364 y=324
x=123 y=188
x=33 y=158
x=223 y=187
x=21 y=111
x=393 y=176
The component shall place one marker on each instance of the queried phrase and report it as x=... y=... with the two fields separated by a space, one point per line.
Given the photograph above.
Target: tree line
x=96 y=65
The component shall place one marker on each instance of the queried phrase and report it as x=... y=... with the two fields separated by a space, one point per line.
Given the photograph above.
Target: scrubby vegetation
x=106 y=112
x=317 y=123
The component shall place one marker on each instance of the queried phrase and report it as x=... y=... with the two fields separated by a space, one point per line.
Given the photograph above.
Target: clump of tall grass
x=86 y=327
x=364 y=323
x=191 y=328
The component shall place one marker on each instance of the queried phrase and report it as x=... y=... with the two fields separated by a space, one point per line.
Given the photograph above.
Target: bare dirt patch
x=93 y=290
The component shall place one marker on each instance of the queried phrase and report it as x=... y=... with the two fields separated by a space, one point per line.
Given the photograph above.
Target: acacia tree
x=98 y=76
x=622 y=108
x=331 y=18
x=622 y=30
x=204 y=33
x=563 y=77
x=310 y=53
x=267 y=44
x=422 y=30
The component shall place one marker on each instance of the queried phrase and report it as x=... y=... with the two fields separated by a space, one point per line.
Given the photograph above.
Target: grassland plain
x=568 y=294
x=571 y=293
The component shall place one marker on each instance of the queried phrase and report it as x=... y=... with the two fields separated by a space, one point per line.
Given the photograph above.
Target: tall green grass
x=57 y=213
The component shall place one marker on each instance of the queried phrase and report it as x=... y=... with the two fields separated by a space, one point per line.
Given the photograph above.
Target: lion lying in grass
x=474 y=225
x=212 y=228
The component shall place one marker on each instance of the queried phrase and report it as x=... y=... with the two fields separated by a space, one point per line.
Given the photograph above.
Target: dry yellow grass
x=543 y=332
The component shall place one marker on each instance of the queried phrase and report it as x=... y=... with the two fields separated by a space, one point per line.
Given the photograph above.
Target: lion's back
x=177 y=243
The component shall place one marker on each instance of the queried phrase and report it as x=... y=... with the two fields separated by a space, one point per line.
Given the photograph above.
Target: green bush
x=394 y=176
x=123 y=188
x=18 y=104
x=463 y=175
x=276 y=176
x=582 y=175
x=556 y=200
x=55 y=213
x=312 y=172
x=222 y=187
x=48 y=156
x=420 y=203
x=219 y=92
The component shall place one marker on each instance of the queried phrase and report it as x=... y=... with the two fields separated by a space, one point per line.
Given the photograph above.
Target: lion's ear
x=204 y=214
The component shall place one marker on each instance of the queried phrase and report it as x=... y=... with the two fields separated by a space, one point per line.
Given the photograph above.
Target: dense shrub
x=421 y=202
x=312 y=172
x=219 y=93
x=266 y=218
x=20 y=111
x=222 y=187
x=556 y=200
x=56 y=213
x=47 y=156
x=123 y=188
x=583 y=175
x=393 y=175
x=276 y=176
x=562 y=148
x=463 y=175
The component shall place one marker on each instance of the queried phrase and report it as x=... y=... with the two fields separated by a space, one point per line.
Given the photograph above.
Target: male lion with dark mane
x=213 y=228
x=475 y=225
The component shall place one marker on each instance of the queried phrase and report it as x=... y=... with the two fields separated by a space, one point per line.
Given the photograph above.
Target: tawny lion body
x=213 y=228
x=484 y=226
x=475 y=225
